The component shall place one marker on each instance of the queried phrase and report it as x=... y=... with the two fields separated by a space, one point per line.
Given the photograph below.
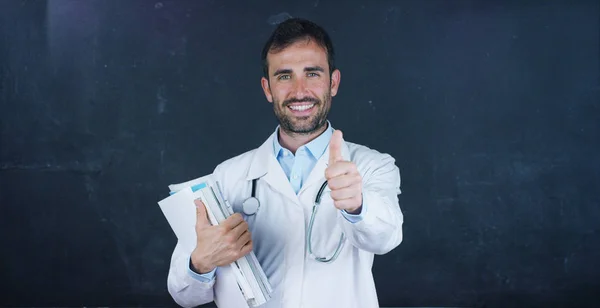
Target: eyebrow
x=306 y=69
x=314 y=68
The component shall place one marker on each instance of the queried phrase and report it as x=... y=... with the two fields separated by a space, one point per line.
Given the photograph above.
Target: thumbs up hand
x=343 y=178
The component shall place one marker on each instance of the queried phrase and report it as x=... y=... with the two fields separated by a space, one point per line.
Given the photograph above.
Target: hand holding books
x=221 y=244
x=206 y=226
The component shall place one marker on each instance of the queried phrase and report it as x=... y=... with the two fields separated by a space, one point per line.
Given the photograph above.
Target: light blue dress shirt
x=297 y=169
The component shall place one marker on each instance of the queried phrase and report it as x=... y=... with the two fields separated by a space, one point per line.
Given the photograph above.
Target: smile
x=301 y=107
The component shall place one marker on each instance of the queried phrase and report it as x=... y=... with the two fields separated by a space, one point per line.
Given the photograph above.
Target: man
x=360 y=200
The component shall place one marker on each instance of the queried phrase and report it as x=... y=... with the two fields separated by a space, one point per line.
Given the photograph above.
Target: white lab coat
x=279 y=228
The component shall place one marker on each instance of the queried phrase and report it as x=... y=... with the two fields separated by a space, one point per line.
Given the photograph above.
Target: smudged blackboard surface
x=492 y=110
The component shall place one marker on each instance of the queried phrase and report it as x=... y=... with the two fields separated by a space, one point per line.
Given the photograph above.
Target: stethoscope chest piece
x=250 y=206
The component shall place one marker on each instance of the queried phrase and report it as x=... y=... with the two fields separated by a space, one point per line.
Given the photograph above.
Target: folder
x=180 y=211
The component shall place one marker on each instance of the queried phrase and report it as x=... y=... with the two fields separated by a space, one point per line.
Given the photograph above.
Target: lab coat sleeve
x=206 y=277
x=380 y=229
x=186 y=290
x=353 y=218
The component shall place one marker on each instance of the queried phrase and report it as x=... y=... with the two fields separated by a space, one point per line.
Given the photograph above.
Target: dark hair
x=293 y=30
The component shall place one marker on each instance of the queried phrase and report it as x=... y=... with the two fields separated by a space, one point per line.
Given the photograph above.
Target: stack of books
x=180 y=211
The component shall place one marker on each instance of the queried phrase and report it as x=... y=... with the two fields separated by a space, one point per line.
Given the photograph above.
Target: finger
x=244 y=239
x=345 y=204
x=246 y=249
x=238 y=230
x=201 y=214
x=335 y=147
x=232 y=221
x=344 y=181
x=345 y=193
x=340 y=168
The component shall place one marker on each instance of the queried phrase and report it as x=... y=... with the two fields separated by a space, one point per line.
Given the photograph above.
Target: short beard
x=319 y=120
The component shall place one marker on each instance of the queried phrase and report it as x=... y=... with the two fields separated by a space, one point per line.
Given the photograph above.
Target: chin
x=305 y=128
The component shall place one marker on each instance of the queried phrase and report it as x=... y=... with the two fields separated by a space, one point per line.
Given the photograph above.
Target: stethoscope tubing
x=251 y=206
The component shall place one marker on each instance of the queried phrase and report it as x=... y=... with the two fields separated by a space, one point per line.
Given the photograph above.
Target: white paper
x=180 y=211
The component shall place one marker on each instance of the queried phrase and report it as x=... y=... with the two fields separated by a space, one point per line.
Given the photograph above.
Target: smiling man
x=313 y=255
x=300 y=83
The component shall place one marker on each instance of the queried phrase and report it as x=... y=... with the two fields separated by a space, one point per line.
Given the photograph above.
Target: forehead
x=305 y=52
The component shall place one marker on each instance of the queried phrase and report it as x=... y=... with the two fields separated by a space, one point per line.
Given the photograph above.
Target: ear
x=265 y=86
x=335 y=81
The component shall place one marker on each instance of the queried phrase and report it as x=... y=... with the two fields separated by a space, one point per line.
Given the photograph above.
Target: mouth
x=302 y=107
x=301 y=110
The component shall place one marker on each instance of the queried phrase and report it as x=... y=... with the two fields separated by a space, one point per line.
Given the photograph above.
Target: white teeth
x=302 y=107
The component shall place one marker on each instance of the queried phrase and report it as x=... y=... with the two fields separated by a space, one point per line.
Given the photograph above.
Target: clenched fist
x=219 y=245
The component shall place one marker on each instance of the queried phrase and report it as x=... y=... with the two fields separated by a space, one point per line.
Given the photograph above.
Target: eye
x=312 y=74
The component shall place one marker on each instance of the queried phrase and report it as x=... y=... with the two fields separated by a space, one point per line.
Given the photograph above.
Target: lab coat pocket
x=326 y=232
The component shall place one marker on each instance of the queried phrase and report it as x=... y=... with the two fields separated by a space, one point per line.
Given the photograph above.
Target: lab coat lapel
x=265 y=166
x=317 y=175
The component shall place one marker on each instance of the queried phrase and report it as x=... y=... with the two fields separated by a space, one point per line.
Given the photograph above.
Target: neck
x=292 y=141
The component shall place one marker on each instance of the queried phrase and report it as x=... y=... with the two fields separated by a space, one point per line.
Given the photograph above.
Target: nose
x=299 y=87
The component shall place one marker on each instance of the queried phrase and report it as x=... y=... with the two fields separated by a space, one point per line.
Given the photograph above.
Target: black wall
x=491 y=108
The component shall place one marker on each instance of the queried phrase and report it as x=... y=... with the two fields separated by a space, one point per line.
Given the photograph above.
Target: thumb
x=201 y=214
x=335 y=147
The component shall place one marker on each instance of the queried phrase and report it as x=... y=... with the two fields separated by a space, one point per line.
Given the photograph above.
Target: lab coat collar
x=264 y=165
x=263 y=157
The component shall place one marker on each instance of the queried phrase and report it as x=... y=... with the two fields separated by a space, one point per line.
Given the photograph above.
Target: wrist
x=197 y=265
x=355 y=211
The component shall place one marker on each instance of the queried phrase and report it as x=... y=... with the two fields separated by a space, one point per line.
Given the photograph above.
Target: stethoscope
x=251 y=205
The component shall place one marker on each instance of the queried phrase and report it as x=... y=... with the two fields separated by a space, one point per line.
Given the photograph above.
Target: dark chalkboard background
x=492 y=109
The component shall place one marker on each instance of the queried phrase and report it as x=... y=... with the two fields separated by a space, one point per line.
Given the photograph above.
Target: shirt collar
x=316 y=147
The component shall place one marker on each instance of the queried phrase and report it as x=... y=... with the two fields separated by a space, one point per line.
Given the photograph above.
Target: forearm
x=379 y=228
x=186 y=290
